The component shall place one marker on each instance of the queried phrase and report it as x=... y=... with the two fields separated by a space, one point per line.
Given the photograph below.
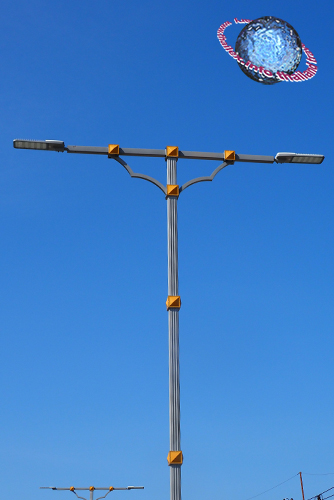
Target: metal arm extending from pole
x=91 y=490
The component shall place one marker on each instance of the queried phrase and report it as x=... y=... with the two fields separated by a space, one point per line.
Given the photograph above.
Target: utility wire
x=320 y=494
x=326 y=474
x=277 y=485
x=304 y=473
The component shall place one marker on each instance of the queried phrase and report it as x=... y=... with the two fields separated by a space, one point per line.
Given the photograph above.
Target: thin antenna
x=301 y=484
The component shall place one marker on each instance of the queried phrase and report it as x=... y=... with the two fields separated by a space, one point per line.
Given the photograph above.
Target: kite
x=269 y=50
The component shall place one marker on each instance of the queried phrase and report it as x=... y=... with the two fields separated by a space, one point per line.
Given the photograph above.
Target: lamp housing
x=299 y=158
x=48 y=145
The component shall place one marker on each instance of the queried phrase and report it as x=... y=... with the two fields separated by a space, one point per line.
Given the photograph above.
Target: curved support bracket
x=141 y=176
x=78 y=495
x=104 y=495
x=206 y=178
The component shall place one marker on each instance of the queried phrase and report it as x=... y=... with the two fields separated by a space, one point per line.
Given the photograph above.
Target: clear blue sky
x=84 y=366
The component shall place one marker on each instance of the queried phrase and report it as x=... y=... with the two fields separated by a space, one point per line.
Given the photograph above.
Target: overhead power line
x=277 y=485
x=320 y=497
x=324 y=474
x=316 y=497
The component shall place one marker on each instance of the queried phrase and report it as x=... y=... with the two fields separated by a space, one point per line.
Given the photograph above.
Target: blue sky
x=83 y=260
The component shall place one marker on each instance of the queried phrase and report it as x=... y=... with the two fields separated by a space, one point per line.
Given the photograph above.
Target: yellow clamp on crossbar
x=173 y=302
x=113 y=149
x=91 y=488
x=173 y=190
x=111 y=488
x=172 y=152
x=175 y=458
x=229 y=155
x=72 y=488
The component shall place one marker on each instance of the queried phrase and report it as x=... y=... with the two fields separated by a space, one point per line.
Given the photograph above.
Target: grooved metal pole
x=173 y=331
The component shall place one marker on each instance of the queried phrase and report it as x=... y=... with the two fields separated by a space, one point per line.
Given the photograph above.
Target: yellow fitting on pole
x=175 y=458
x=113 y=149
x=173 y=302
x=91 y=488
x=173 y=190
x=111 y=488
x=229 y=155
x=172 y=152
x=72 y=488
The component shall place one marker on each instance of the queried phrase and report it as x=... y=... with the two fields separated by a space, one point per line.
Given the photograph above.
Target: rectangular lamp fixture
x=40 y=145
x=298 y=158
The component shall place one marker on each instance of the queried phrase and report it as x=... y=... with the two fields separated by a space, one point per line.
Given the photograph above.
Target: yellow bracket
x=91 y=488
x=173 y=302
x=111 y=488
x=175 y=458
x=173 y=190
x=113 y=149
x=229 y=155
x=172 y=152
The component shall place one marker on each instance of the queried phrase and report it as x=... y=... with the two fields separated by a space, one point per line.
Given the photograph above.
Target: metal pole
x=173 y=330
x=91 y=494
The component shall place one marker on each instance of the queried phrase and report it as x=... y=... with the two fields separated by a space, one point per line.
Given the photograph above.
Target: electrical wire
x=304 y=473
x=326 y=474
x=255 y=496
x=320 y=494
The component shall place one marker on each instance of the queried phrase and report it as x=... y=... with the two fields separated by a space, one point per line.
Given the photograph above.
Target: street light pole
x=173 y=303
x=173 y=307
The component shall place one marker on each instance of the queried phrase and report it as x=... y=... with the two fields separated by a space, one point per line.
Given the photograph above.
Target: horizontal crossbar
x=161 y=153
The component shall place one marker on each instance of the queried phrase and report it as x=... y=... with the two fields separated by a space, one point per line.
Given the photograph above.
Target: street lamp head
x=48 y=145
x=298 y=158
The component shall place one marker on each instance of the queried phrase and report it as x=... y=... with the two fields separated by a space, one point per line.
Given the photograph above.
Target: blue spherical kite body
x=270 y=43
